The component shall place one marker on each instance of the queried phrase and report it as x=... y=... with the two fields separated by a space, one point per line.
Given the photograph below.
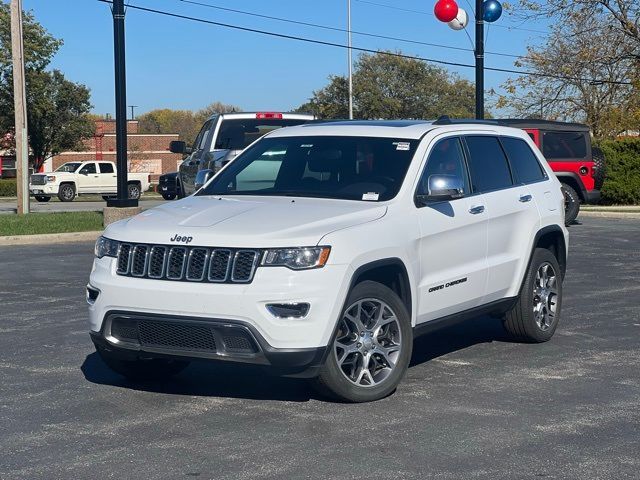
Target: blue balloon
x=492 y=10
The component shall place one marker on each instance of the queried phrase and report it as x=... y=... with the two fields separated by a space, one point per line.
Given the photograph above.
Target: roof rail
x=446 y=120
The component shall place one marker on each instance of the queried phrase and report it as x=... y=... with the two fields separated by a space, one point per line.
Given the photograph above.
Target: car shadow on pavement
x=250 y=382
x=483 y=329
x=210 y=380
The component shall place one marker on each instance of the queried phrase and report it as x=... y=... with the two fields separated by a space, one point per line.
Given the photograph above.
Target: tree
x=586 y=71
x=186 y=123
x=57 y=109
x=390 y=86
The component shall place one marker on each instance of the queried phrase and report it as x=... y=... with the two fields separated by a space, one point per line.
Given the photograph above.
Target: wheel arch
x=573 y=180
x=552 y=238
x=390 y=272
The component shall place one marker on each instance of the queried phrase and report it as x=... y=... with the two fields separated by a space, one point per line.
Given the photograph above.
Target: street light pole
x=133 y=117
x=122 y=199
x=20 y=109
x=350 y=55
x=479 y=54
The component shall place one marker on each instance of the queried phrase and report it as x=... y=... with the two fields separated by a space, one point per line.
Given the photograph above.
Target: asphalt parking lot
x=9 y=206
x=473 y=404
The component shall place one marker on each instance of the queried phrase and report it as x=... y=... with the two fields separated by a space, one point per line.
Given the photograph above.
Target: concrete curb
x=606 y=214
x=49 y=238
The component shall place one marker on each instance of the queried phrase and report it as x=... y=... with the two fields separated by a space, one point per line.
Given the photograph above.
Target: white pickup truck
x=82 y=178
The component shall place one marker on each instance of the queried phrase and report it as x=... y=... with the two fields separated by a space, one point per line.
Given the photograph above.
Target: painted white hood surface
x=245 y=221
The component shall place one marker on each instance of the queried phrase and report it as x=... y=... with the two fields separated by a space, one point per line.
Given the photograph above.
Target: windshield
x=68 y=167
x=238 y=134
x=354 y=168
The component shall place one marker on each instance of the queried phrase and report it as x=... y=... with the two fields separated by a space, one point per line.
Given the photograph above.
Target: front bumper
x=324 y=289
x=225 y=341
x=43 y=189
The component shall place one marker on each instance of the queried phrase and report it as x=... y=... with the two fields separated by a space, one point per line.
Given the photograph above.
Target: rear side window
x=488 y=164
x=106 y=168
x=564 y=145
x=524 y=162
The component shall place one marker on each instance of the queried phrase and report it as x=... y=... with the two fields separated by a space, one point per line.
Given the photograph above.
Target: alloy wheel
x=368 y=343
x=545 y=296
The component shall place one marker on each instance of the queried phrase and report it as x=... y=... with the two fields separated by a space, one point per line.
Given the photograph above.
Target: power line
x=360 y=49
x=420 y=12
x=342 y=30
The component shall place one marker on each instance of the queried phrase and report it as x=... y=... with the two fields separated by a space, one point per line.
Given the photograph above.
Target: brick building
x=145 y=152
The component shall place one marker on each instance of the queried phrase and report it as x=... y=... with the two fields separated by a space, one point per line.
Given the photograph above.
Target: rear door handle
x=525 y=198
x=477 y=209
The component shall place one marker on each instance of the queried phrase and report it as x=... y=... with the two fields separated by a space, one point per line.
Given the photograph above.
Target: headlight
x=51 y=178
x=105 y=247
x=297 y=258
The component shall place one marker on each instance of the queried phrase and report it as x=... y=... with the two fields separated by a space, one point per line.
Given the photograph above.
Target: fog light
x=92 y=295
x=288 y=310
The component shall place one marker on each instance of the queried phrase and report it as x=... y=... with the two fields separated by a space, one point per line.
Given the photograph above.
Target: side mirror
x=203 y=177
x=84 y=172
x=441 y=188
x=178 y=146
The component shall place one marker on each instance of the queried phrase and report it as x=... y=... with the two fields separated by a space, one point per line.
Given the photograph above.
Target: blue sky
x=175 y=63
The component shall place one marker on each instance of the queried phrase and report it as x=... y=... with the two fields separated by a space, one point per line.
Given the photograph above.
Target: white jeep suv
x=324 y=249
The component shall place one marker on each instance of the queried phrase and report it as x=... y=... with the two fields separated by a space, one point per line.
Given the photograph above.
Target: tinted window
x=88 y=168
x=106 y=168
x=203 y=135
x=354 y=168
x=524 y=163
x=446 y=158
x=238 y=134
x=564 y=145
x=488 y=164
x=68 y=167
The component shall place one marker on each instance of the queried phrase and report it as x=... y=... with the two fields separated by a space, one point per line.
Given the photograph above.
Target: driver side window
x=446 y=159
x=89 y=168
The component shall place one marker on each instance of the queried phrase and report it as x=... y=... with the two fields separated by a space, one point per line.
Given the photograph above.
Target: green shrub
x=8 y=188
x=622 y=184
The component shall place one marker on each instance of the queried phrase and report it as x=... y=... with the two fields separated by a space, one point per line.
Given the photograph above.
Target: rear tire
x=571 y=204
x=133 y=190
x=536 y=314
x=142 y=370
x=67 y=192
x=371 y=347
x=42 y=198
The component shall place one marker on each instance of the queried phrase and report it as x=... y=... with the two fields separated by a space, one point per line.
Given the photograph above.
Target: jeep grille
x=193 y=264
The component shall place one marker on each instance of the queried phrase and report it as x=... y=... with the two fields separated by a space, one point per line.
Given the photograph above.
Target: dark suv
x=579 y=166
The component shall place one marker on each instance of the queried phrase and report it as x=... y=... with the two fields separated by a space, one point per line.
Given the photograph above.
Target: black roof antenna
x=443 y=120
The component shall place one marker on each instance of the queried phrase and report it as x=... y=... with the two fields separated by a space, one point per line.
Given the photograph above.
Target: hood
x=245 y=221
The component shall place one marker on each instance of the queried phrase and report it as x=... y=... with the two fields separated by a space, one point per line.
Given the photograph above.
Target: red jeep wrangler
x=567 y=147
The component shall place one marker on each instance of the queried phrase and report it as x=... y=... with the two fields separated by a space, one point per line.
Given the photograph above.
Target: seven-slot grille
x=194 y=264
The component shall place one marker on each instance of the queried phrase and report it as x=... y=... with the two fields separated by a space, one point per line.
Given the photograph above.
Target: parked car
x=82 y=178
x=223 y=137
x=323 y=250
x=579 y=166
x=168 y=186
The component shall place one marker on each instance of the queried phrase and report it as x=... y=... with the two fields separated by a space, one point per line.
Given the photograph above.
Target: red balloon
x=445 y=10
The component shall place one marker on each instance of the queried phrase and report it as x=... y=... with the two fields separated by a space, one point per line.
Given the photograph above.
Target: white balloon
x=461 y=20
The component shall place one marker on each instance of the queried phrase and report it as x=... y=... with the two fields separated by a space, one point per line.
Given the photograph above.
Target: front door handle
x=525 y=198
x=477 y=209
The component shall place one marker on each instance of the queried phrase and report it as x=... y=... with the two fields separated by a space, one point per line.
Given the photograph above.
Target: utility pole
x=20 y=107
x=479 y=54
x=350 y=55
x=133 y=117
x=122 y=199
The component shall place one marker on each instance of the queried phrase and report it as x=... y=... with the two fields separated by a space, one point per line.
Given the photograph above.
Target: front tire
x=42 y=198
x=536 y=314
x=67 y=192
x=571 y=204
x=142 y=370
x=371 y=347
